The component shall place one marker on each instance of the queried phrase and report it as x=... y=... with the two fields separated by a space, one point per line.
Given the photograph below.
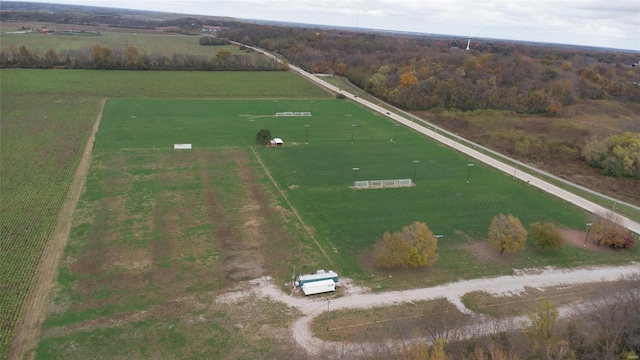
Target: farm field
x=160 y=234
x=46 y=120
x=164 y=44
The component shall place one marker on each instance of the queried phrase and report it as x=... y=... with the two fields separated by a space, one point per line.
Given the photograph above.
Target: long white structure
x=318 y=287
x=320 y=275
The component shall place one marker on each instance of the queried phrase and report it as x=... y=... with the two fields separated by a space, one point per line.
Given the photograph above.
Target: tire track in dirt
x=295 y=212
x=34 y=311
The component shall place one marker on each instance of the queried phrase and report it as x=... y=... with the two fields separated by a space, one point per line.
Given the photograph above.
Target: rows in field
x=41 y=147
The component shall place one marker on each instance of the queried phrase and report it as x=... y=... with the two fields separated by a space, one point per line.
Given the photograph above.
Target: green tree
x=618 y=155
x=263 y=136
x=223 y=57
x=415 y=246
x=546 y=236
x=507 y=234
x=626 y=148
x=247 y=40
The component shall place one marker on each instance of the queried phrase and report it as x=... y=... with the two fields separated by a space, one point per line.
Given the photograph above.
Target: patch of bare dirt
x=577 y=238
x=240 y=233
x=485 y=252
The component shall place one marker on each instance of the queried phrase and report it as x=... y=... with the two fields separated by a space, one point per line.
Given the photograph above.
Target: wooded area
x=418 y=72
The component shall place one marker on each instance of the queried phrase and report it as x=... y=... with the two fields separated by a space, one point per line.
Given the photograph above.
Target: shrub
x=546 y=236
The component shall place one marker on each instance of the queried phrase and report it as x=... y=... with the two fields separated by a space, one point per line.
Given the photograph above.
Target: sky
x=601 y=23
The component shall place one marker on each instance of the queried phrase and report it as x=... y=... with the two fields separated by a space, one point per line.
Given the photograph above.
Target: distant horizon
x=458 y=36
x=606 y=24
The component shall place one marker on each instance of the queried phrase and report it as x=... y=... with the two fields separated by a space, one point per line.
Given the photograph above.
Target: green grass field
x=316 y=178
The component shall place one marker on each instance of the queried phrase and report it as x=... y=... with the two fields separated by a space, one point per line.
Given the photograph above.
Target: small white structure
x=320 y=275
x=318 y=287
x=278 y=142
x=182 y=146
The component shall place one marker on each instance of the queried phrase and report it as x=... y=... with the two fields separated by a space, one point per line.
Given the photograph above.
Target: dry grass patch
x=383 y=323
x=523 y=303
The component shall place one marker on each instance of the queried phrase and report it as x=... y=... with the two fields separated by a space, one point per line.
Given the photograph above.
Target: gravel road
x=357 y=298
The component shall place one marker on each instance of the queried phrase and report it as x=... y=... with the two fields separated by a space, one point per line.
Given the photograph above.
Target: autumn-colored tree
x=437 y=351
x=420 y=351
x=341 y=69
x=546 y=236
x=392 y=251
x=132 y=56
x=507 y=234
x=102 y=57
x=415 y=246
x=540 y=330
x=608 y=232
x=493 y=352
x=50 y=58
x=408 y=80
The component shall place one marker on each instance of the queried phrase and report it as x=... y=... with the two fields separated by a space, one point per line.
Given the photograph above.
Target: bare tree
x=610 y=323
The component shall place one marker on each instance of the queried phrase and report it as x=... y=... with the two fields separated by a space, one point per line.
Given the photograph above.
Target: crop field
x=46 y=120
x=146 y=43
x=42 y=140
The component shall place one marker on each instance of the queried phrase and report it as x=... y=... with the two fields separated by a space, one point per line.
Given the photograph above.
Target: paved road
x=432 y=132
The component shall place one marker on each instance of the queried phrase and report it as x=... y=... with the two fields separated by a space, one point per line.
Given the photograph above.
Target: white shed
x=278 y=141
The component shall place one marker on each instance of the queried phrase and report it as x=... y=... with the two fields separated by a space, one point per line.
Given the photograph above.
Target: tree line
x=131 y=58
